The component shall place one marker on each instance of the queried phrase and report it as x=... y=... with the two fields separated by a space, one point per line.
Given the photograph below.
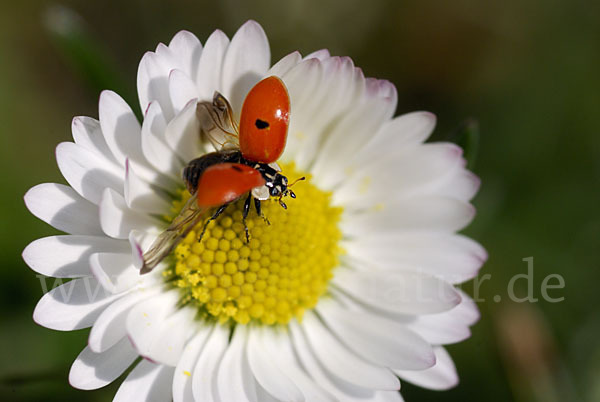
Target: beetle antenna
x=289 y=192
x=296 y=181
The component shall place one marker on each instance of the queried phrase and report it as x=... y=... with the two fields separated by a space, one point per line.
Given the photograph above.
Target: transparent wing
x=217 y=124
x=183 y=223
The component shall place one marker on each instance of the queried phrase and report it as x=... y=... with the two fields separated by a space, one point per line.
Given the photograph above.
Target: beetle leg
x=281 y=202
x=245 y=215
x=257 y=206
x=218 y=212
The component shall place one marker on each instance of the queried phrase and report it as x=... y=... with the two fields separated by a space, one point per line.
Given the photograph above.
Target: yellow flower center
x=277 y=275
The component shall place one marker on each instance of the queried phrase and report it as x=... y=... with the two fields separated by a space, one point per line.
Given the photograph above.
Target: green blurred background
x=527 y=71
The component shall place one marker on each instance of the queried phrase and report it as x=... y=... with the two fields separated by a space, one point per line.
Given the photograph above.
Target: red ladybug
x=222 y=177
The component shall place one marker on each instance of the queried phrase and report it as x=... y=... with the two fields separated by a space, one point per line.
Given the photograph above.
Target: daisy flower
x=340 y=297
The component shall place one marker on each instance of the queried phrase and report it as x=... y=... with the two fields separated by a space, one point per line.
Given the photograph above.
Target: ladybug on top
x=244 y=163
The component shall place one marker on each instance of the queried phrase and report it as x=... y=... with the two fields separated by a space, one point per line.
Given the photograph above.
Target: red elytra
x=225 y=182
x=264 y=121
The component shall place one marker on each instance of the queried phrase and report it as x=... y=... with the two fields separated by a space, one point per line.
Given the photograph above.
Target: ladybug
x=244 y=164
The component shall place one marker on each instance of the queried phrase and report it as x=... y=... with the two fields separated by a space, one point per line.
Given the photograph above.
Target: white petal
x=95 y=370
x=442 y=328
x=463 y=185
x=402 y=174
x=403 y=131
x=154 y=144
x=376 y=338
x=320 y=92
x=183 y=133
x=344 y=363
x=457 y=183
x=88 y=134
x=169 y=341
x=86 y=172
x=140 y=241
x=234 y=379
x=210 y=66
x=68 y=256
x=204 y=378
x=118 y=220
x=123 y=136
x=284 y=65
x=187 y=49
x=342 y=390
x=440 y=377
x=311 y=117
x=302 y=81
x=266 y=373
x=320 y=54
x=382 y=89
x=358 y=124
x=120 y=127
x=448 y=327
x=142 y=196
x=327 y=106
x=452 y=257
x=74 y=305
x=167 y=58
x=153 y=83
x=114 y=271
x=182 y=379
x=246 y=61
x=264 y=396
x=148 y=382
x=144 y=321
x=64 y=209
x=427 y=213
x=286 y=361
x=397 y=292
x=387 y=396
x=467 y=309
x=110 y=326
x=181 y=89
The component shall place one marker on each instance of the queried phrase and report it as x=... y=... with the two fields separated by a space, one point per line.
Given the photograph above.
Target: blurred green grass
x=526 y=71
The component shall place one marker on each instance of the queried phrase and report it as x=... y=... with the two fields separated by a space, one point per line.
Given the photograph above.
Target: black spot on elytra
x=261 y=124
x=236 y=168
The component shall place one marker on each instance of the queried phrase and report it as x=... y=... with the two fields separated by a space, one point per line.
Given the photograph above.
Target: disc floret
x=280 y=272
